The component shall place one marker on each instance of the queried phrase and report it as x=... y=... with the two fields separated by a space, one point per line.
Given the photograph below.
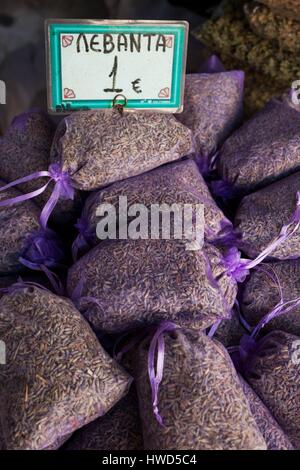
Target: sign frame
x=55 y=27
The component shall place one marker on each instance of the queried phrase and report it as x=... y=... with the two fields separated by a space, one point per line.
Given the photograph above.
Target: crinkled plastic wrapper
x=265 y=148
x=264 y=289
x=175 y=183
x=99 y=147
x=128 y=283
x=213 y=105
x=261 y=215
x=274 y=373
x=268 y=426
x=17 y=223
x=57 y=378
x=119 y=429
x=200 y=398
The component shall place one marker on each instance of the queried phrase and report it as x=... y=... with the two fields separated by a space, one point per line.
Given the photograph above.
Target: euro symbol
x=135 y=85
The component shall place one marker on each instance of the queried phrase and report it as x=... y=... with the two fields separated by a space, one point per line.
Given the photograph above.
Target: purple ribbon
x=81 y=242
x=157 y=347
x=19 y=122
x=138 y=335
x=63 y=189
x=239 y=267
x=206 y=163
x=43 y=250
x=223 y=189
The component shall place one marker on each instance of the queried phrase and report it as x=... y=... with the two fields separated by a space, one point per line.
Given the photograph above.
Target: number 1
x=113 y=74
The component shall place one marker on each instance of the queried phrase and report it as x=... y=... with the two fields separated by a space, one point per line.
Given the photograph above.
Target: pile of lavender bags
x=117 y=334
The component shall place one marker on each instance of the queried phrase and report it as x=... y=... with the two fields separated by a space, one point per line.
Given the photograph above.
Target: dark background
x=22 y=49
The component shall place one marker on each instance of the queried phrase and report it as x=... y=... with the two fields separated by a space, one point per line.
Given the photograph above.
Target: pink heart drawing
x=67 y=40
x=164 y=93
x=69 y=93
x=169 y=41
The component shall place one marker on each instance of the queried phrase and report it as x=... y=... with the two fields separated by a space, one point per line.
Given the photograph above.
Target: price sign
x=94 y=64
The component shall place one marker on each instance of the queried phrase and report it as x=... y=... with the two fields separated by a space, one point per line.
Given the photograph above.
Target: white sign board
x=92 y=63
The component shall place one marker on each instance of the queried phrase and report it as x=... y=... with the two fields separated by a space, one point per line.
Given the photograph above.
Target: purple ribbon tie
x=43 y=250
x=157 y=346
x=63 y=189
x=223 y=189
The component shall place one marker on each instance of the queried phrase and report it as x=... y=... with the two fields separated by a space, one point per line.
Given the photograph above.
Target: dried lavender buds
x=57 y=377
x=17 y=223
x=25 y=149
x=264 y=149
x=274 y=373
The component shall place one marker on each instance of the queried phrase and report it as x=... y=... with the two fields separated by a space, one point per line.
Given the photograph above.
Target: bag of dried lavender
x=265 y=148
x=261 y=215
x=25 y=150
x=268 y=426
x=25 y=146
x=119 y=429
x=272 y=368
x=24 y=244
x=97 y=148
x=17 y=223
x=267 y=287
x=128 y=283
x=229 y=331
x=188 y=408
x=175 y=183
x=285 y=8
x=213 y=106
x=57 y=377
